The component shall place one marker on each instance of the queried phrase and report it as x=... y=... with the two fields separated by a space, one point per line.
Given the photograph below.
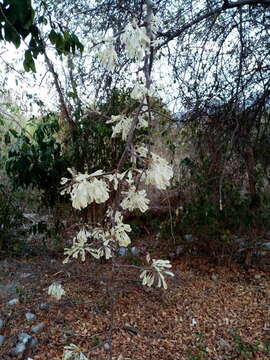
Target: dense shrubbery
x=37 y=160
x=223 y=181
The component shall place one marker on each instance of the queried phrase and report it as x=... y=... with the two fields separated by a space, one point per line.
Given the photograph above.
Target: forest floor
x=208 y=312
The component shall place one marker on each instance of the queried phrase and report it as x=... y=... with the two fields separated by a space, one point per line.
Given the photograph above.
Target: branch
x=170 y=35
x=240 y=3
x=58 y=88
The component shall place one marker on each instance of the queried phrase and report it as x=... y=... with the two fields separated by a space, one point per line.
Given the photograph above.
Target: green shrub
x=37 y=160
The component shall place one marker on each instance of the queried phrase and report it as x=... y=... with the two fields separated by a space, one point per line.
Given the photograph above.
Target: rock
x=24 y=338
x=134 y=251
x=30 y=317
x=2 y=323
x=18 y=350
x=188 y=237
x=33 y=342
x=8 y=290
x=241 y=243
x=257 y=276
x=214 y=277
x=25 y=275
x=13 y=302
x=2 y=340
x=44 y=306
x=38 y=328
x=223 y=344
x=106 y=346
x=179 y=250
x=122 y=251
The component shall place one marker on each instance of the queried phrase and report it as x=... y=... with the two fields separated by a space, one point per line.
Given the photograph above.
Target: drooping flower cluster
x=123 y=125
x=135 y=199
x=158 y=173
x=158 y=269
x=120 y=230
x=86 y=189
x=73 y=352
x=136 y=41
x=79 y=247
x=139 y=92
x=108 y=56
x=100 y=241
x=56 y=290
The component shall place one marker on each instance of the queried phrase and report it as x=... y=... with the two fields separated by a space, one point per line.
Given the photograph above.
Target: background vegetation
x=212 y=122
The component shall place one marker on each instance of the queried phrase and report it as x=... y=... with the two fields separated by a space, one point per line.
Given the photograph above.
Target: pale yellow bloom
x=56 y=291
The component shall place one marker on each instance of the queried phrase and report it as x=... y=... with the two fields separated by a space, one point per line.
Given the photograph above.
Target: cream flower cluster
x=135 y=199
x=159 y=173
x=159 y=269
x=123 y=125
x=139 y=92
x=136 y=41
x=79 y=247
x=56 y=290
x=107 y=239
x=120 y=230
x=86 y=189
x=108 y=56
x=73 y=352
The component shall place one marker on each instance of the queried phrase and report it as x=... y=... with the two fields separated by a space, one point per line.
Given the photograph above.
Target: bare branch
x=170 y=35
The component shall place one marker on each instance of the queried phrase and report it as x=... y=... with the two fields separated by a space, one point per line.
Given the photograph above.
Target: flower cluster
x=108 y=57
x=158 y=173
x=86 y=189
x=120 y=230
x=79 y=247
x=159 y=268
x=135 y=199
x=56 y=291
x=73 y=352
x=136 y=41
x=102 y=241
x=123 y=125
x=139 y=92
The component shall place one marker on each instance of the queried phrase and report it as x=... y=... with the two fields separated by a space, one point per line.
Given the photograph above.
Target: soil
x=208 y=312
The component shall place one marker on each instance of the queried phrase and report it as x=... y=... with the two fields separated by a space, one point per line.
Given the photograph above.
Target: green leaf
x=14 y=133
x=71 y=94
x=11 y=35
x=29 y=64
x=7 y=138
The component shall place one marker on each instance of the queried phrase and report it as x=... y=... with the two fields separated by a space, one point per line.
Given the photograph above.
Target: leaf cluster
x=37 y=159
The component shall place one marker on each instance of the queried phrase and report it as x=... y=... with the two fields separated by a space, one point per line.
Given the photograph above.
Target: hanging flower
x=135 y=199
x=159 y=173
x=79 y=247
x=159 y=269
x=123 y=125
x=120 y=230
x=108 y=56
x=136 y=41
x=88 y=191
x=56 y=290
